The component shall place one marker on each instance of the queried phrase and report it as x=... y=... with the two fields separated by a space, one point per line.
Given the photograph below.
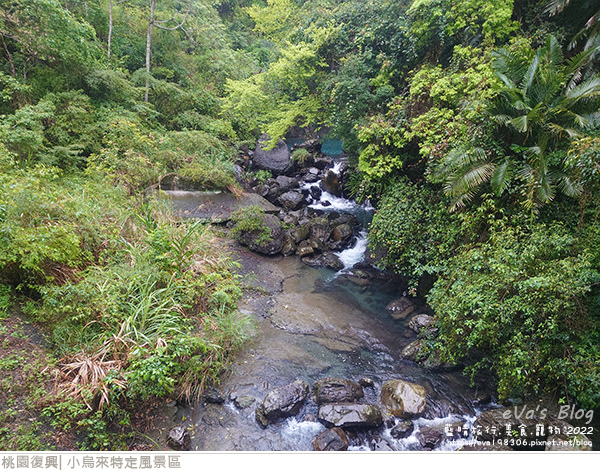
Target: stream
x=312 y=324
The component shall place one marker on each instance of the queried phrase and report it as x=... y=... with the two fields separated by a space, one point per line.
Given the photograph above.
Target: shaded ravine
x=313 y=324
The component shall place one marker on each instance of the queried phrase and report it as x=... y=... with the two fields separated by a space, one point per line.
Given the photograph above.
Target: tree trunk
x=110 y=26
x=148 y=44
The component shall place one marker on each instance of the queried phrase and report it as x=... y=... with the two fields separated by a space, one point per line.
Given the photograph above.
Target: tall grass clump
x=137 y=304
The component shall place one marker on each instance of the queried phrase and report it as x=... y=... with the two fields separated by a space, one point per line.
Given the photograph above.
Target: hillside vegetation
x=472 y=126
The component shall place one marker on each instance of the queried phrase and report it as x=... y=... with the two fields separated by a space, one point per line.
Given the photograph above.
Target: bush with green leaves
x=250 y=219
x=521 y=300
x=414 y=230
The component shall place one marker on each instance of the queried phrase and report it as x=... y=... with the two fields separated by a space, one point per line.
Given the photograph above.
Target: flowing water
x=314 y=323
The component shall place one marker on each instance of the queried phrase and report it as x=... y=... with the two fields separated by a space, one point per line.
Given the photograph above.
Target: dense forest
x=472 y=127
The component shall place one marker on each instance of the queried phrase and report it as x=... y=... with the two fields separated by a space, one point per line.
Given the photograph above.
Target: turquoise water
x=330 y=147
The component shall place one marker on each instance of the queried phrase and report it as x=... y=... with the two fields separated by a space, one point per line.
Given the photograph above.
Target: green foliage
x=439 y=24
x=50 y=225
x=5 y=301
x=250 y=219
x=261 y=176
x=542 y=101
x=300 y=155
x=414 y=230
x=517 y=298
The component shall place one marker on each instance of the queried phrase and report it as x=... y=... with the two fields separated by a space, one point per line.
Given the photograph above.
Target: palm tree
x=591 y=30
x=542 y=101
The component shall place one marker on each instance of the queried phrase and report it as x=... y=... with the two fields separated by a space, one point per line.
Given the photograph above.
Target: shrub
x=519 y=298
x=250 y=219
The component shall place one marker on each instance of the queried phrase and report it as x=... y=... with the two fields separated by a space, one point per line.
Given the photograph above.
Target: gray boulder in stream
x=403 y=399
x=351 y=415
x=418 y=322
x=276 y=160
x=401 y=308
x=292 y=200
x=256 y=240
x=331 y=184
x=282 y=402
x=333 y=439
x=334 y=390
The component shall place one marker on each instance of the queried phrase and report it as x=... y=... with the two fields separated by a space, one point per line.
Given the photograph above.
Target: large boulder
x=320 y=229
x=403 y=399
x=333 y=439
x=401 y=308
x=331 y=184
x=325 y=260
x=341 y=233
x=282 y=402
x=292 y=200
x=286 y=183
x=259 y=240
x=350 y=415
x=332 y=390
x=277 y=160
x=418 y=322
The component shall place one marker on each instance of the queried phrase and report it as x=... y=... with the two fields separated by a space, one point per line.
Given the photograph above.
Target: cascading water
x=320 y=325
x=328 y=202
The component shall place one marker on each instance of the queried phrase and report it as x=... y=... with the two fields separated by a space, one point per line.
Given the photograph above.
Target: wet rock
x=212 y=395
x=179 y=438
x=430 y=436
x=292 y=200
x=276 y=160
x=401 y=308
x=366 y=382
x=342 y=233
x=403 y=429
x=379 y=444
x=325 y=260
x=316 y=244
x=322 y=162
x=305 y=249
x=320 y=229
x=411 y=352
x=331 y=261
x=333 y=439
x=418 y=322
x=256 y=241
x=403 y=399
x=243 y=402
x=286 y=182
x=282 y=402
x=350 y=415
x=300 y=233
x=331 y=184
x=434 y=363
x=316 y=192
x=359 y=281
x=332 y=390
x=289 y=248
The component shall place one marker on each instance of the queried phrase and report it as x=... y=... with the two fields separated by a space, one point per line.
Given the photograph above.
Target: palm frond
x=501 y=177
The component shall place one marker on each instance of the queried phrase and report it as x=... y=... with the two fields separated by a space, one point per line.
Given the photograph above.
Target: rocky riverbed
x=333 y=361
